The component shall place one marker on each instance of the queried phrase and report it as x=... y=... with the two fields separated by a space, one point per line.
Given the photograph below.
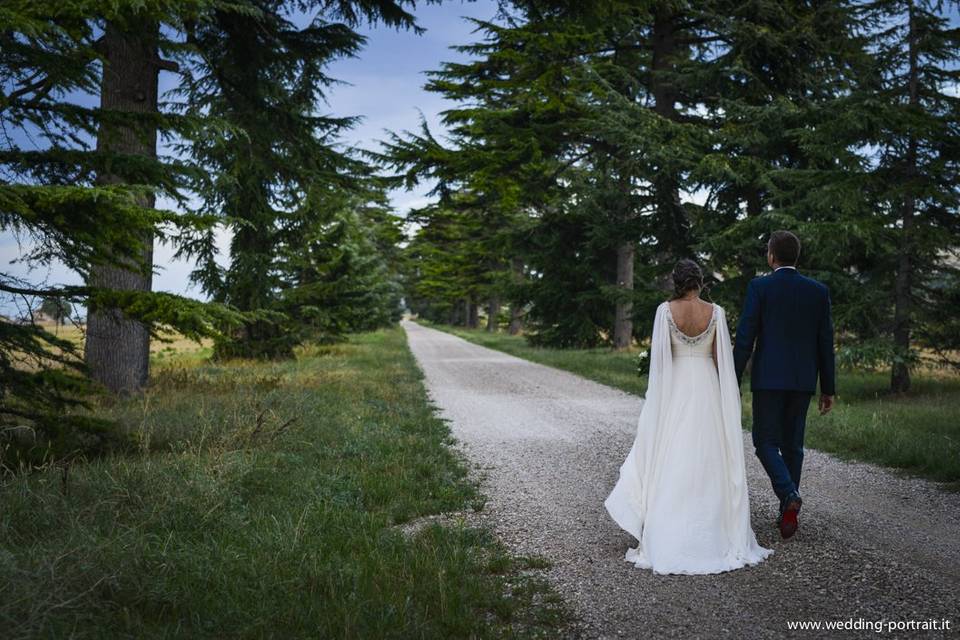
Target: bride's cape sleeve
x=730 y=406
x=627 y=502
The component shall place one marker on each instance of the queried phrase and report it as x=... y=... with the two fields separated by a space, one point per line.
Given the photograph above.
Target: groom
x=788 y=316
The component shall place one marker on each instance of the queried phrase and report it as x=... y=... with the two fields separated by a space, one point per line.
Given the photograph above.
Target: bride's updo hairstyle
x=687 y=276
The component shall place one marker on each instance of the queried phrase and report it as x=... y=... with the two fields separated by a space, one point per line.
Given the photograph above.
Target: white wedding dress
x=682 y=490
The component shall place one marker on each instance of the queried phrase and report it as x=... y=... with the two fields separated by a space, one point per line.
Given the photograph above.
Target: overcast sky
x=385 y=87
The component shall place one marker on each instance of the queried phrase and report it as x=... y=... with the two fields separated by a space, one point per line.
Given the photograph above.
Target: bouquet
x=643 y=363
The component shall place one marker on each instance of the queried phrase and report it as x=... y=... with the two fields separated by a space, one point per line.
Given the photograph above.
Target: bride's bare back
x=691 y=316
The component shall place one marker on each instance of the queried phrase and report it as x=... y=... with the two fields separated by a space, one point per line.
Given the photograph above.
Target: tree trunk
x=623 y=324
x=903 y=286
x=473 y=314
x=516 y=321
x=117 y=350
x=671 y=218
x=493 y=310
x=516 y=312
x=900 y=371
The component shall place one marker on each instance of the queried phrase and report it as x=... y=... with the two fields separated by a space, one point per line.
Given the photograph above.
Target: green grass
x=918 y=432
x=261 y=504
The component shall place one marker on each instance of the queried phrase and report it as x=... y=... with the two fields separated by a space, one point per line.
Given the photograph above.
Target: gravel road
x=548 y=445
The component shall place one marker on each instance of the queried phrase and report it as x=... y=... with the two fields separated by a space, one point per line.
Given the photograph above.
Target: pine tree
x=771 y=68
x=117 y=350
x=501 y=166
x=339 y=265
x=54 y=197
x=912 y=181
x=255 y=70
x=815 y=134
x=563 y=100
x=446 y=261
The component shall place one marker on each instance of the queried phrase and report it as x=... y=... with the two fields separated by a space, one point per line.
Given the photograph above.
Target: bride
x=682 y=490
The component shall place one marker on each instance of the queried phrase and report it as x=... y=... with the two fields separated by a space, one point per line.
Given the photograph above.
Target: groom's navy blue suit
x=787 y=316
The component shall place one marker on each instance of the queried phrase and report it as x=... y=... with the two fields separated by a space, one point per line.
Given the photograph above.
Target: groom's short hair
x=785 y=247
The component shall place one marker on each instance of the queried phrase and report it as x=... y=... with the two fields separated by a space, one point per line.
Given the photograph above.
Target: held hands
x=825 y=404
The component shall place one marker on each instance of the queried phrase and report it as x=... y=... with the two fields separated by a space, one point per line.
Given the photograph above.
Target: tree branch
x=65 y=292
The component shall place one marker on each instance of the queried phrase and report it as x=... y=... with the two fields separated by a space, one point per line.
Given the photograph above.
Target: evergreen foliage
x=339 y=259
x=53 y=198
x=263 y=78
x=313 y=240
x=623 y=136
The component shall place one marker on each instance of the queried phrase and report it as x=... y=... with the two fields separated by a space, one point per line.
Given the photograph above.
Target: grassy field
x=174 y=345
x=262 y=503
x=918 y=433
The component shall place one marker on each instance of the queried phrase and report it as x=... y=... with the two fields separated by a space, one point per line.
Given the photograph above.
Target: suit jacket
x=788 y=316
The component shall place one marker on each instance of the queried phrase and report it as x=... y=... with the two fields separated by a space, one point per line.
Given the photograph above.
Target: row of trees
x=242 y=146
x=594 y=144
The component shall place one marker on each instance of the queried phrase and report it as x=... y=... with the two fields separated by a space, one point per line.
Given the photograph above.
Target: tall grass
x=262 y=503
x=917 y=432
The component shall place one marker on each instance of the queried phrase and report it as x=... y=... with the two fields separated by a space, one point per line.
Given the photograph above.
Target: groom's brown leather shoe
x=788 y=519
